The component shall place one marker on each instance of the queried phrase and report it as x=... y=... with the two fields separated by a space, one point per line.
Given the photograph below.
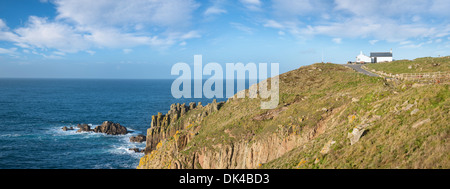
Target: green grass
x=390 y=142
x=419 y=65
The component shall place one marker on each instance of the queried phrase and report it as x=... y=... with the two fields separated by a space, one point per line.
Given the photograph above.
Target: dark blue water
x=33 y=111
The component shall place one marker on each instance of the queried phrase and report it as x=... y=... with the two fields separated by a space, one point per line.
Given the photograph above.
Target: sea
x=33 y=112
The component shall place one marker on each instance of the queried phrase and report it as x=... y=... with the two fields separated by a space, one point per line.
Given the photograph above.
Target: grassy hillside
x=413 y=131
x=321 y=108
x=304 y=93
x=419 y=65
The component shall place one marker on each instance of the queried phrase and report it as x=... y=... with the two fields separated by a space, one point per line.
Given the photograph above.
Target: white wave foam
x=10 y=135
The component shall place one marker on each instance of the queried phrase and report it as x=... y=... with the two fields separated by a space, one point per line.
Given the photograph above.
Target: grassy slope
x=234 y=120
x=391 y=142
x=323 y=94
x=419 y=65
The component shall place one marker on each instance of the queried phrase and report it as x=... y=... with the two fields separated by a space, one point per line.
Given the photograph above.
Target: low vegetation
x=401 y=125
x=419 y=65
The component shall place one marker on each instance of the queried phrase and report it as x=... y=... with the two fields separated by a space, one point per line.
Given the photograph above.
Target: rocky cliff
x=329 y=117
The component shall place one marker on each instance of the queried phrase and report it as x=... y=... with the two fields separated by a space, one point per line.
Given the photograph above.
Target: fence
x=431 y=77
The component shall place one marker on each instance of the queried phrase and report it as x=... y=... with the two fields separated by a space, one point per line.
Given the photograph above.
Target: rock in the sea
x=83 y=128
x=136 y=150
x=67 y=128
x=138 y=138
x=111 y=128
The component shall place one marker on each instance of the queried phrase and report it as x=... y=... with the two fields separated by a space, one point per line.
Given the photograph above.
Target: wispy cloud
x=242 y=27
x=8 y=51
x=254 y=5
x=372 y=42
x=214 y=10
x=337 y=40
x=391 y=20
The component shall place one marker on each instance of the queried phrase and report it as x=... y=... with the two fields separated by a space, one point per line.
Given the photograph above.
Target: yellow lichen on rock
x=303 y=161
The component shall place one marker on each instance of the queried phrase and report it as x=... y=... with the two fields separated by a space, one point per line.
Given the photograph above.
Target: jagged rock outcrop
x=163 y=126
x=239 y=155
x=83 y=128
x=65 y=128
x=111 y=128
x=138 y=138
x=242 y=154
x=106 y=127
x=136 y=150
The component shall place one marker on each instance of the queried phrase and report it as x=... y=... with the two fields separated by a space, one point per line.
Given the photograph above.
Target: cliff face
x=328 y=117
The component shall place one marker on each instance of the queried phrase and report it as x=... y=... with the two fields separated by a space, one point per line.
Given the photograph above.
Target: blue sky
x=144 y=38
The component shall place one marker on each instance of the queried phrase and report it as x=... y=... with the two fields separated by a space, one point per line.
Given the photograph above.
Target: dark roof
x=381 y=54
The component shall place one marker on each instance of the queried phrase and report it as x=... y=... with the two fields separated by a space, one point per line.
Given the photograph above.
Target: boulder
x=414 y=111
x=111 y=128
x=67 y=128
x=419 y=123
x=138 y=138
x=327 y=147
x=357 y=132
x=83 y=128
x=136 y=150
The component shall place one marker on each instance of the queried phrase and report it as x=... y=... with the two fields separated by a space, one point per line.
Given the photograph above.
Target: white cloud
x=384 y=8
x=391 y=20
x=90 y=52
x=59 y=53
x=3 y=25
x=337 y=40
x=114 y=38
x=242 y=27
x=5 y=34
x=273 y=24
x=104 y=23
x=294 y=7
x=412 y=46
x=281 y=33
x=405 y=42
x=381 y=29
x=41 y=33
x=214 y=10
x=190 y=35
x=372 y=42
x=106 y=13
x=252 y=2
x=254 y=5
x=127 y=51
x=416 y=18
x=8 y=51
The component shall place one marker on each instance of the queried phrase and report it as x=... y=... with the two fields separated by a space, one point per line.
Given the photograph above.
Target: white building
x=361 y=58
x=375 y=57
x=381 y=56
